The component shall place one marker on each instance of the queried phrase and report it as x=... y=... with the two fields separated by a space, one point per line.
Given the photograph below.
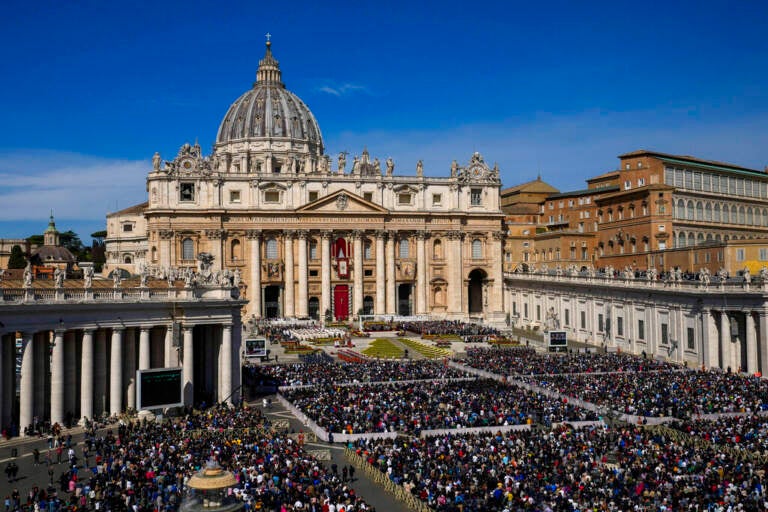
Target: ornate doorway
x=475 y=291
x=272 y=301
x=341 y=302
x=404 y=299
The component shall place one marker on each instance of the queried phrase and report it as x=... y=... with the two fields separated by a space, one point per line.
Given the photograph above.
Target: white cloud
x=344 y=89
x=74 y=186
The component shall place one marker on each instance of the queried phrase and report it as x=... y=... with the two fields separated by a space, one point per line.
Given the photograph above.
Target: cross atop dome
x=269 y=68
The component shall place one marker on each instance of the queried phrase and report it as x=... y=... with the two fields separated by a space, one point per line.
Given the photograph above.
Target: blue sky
x=90 y=90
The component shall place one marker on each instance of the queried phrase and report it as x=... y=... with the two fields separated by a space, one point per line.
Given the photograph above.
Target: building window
x=404 y=198
x=665 y=334
x=763 y=254
x=620 y=326
x=525 y=310
x=640 y=182
x=186 y=192
x=475 y=196
x=235 y=250
x=405 y=249
x=368 y=196
x=437 y=199
x=641 y=329
x=313 y=273
x=127 y=259
x=127 y=228
x=187 y=249
x=312 y=195
x=538 y=312
x=691 y=339
x=272 y=196
x=367 y=253
x=567 y=317
x=368 y=272
x=234 y=196
x=583 y=319
x=271 y=249
x=739 y=254
x=437 y=250
x=599 y=322
x=313 y=250
x=477 y=249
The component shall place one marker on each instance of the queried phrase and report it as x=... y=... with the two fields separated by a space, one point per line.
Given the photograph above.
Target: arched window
x=127 y=259
x=726 y=214
x=708 y=212
x=709 y=237
x=271 y=249
x=405 y=249
x=187 y=249
x=765 y=217
x=236 y=250
x=477 y=249
x=437 y=250
x=699 y=211
x=700 y=239
x=717 y=212
x=742 y=217
x=680 y=209
x=367 y=252
x=750 y=217
x=691 y=240
x=681 y=240
x=734 y=215
x=690 y=210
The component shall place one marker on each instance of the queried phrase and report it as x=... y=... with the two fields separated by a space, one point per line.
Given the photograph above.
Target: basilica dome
x=270 y=112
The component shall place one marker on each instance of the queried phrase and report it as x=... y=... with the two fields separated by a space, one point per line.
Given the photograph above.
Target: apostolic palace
x=666 y=256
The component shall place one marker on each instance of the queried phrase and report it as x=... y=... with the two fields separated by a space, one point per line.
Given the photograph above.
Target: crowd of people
x=447 y=327
x=527 y=361
x=568 y=469
x=145 y=466
x=673 y=393
x=413 y=407
x=325 y=370
x=744 y=432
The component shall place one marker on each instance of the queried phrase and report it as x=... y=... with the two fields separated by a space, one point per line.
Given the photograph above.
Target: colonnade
x=733 y=339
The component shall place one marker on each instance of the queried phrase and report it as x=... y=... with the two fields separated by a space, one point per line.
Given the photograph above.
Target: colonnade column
x=712 y=356
x=380 y=277
x=168 y=347
x=116 y=372
x=421 y=273
x=752 y=364
x=762 y=337
x=289 y=285
x=144 y=348
x=254 y=286
x=188 y=369
x=325 y=271
x=27 y=384
x=70 y=372
x=302 y=304
x=390 y=285
x=86 y=375
x=57 y=378
x=725 y=340
x=225 y=392
x=100 y=371
x=357 y=292
x=130 y=368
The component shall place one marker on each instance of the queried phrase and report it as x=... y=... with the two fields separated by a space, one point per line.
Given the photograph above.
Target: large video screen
x=558 y=339
x=159 y=388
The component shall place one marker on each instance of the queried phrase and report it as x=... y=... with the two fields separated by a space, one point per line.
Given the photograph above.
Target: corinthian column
x=357 y=293
x=421 y=273
x=391 y=274
x=325 y=282
x=380 y=277
x=225 y=366
x=289 y=284
x=27 y=384
x=254 y=286
x=188 y=369
x=116 y=372
x=57 y=378
x=302 y=306
x=86 y=379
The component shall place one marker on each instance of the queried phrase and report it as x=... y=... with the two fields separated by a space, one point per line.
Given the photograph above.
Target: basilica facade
x=308 y=236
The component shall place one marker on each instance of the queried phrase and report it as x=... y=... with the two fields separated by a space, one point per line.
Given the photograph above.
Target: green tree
x=36 y=239
x=17 y=259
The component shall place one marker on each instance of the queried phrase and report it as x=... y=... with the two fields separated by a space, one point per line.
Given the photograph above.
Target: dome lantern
x=269 y=69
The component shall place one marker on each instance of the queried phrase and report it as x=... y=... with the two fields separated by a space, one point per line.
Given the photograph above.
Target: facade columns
x=254 y=286
x=70 y=373
x=357 y=292
x=456 y=283
x=752 y=363
x=712 y=353
x=116 y=372
x=289 y=284
x=421 y=273
x=325 y=272
x=86 y=375
x=380 y=277
x=302 y=305
x=225 y=364
x=762 y=337
x=497 y=296
x=725 y=340
x=188 y=369
x=215 y=237
x=168 y=360
x=57 y=378
x=100 y=372
x=27 y=385
x=130 y=368
x=144 y=348
x=391 y=285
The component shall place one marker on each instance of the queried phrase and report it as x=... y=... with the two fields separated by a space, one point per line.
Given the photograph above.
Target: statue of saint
x=88 y=277
x=58 y=278
x=377 y=165
x=156 y=161
x=321 y=165
x=419 y=168
x=454 y=169
x=236 y=278
x=355 y=165
x=390 y=166
x=116 y=277
x=342 y=162
x=28 y=275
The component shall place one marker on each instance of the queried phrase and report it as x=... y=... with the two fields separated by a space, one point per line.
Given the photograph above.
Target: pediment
x=341 y=201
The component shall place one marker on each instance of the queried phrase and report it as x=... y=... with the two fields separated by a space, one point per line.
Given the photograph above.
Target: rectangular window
x=313 y=250
x=763 y=254
x=129 y=227
x=583 y=319
x=641 y=329
x=525 y=310
x=312 y=195
x=691 y=339
x=234 y=196
x=664 y=334
x=567 y=317
x=313 y=273
x=619 y=326
x=739 y=254
x=514 y=308
x=404 y=198
x=368 y=196
x=367 y=250
x=475 y=196
x=599 y=322
x=368 y=272
x=272 y=196
x=437 y=199
x=186 y=192
x=538 y=312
